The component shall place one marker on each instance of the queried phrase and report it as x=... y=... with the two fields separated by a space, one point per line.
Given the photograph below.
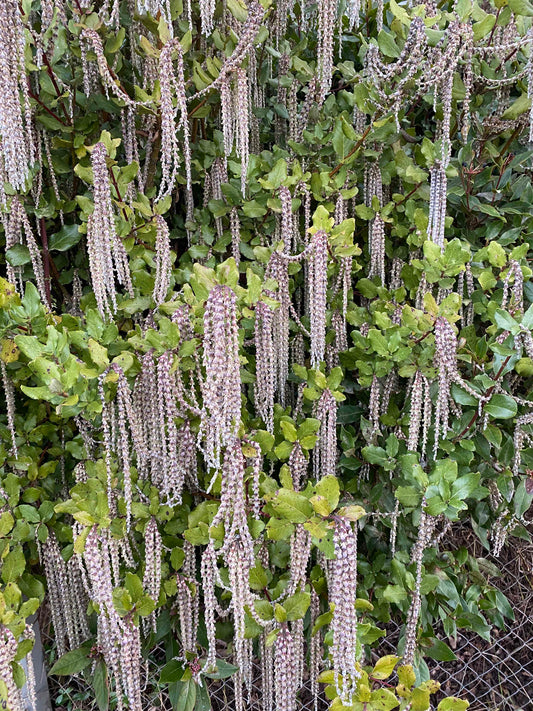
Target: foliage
x=383 y=310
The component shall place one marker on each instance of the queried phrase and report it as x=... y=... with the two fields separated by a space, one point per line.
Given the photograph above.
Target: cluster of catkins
x=149 y=432
x=118 y=638
x=142 y=426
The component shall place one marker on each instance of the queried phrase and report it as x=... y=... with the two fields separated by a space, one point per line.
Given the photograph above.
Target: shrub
x=266 y=337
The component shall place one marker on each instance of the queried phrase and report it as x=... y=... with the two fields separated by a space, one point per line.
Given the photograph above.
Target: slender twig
x=198 y=106
x=38 y=100
x=494 y=26
x=49 y=267
x=411 y=192
x=46 y=261
x=487 y=395
x=119 y=196
x=350 y=154
x=51 y=74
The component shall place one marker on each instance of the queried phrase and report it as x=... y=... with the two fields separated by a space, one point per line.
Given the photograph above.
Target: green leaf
x=320 y=505
x=384 y=667
x=265 y=440
x=264 y=609
x=202 y=281
x=283 y=450
x=440 y=651
x=13 y=565
x=521 y=7
x=309 y=426
x=258 y=577
x=125 y=361
x=122 y=600
x=187 y=697
x=453 y=704
x=279 y=530
x=400 y=13
x=98 y=354
x=275 y=178
x=444 y=470
x=101 y=685
x=521 y=500
x=406 y=675
x=378 y=342
x=18 y=255
x=292 y=506
x=342 y=145
x=523 y=103
x=524 y=367
x=237 y=10
x=501 y=406
x=134 y=586
x=321 y=621
x=527 y=318
x=29 y=513
x=465 y=485
x=504 y=320
x=66 y=238
x=297 y=605
x=463 y=8
x=481 y=29
x=6 y=523
x=387 y=44
x=497 y=255
x=280 y=613
x=172 y=671
x=328 y=487
x=429 y=583
x=408 y=496
x=375 y=455
x=419 y=700
x=289 y=431
x=394 y=593
x=365 y=213
x=254 y=209
x=352 y=513
x=29 y=607
x=203 y=702
x=435 y=505
x=72 y=662
x=383 y=700
x=224 y=670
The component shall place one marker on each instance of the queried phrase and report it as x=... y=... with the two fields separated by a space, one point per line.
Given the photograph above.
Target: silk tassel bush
x=277 y=249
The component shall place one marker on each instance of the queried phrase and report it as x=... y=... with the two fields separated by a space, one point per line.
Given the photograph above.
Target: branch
x=46 y=261
x=350 y=154
x=489 y=392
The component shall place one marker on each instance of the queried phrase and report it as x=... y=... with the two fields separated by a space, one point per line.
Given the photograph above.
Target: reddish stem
x=350 y=154
x=488 y=393
x=119 y=197
x=38 y=100
x=51 y=74
x=46 y=261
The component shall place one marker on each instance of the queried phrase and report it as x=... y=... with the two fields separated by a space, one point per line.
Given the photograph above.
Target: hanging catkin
x=221 y=413
x=107 y=255
x=317 y=296
x=343 y=593
x=15 y=115
x=173 y=87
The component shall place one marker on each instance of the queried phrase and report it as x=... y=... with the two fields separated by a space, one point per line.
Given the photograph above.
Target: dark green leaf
x=72 y=662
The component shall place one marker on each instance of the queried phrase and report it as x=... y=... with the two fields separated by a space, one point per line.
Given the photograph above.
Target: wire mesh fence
x=495 y=675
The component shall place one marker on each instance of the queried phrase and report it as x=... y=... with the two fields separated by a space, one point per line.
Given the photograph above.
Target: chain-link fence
x=498 y=675
x=495 y=675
